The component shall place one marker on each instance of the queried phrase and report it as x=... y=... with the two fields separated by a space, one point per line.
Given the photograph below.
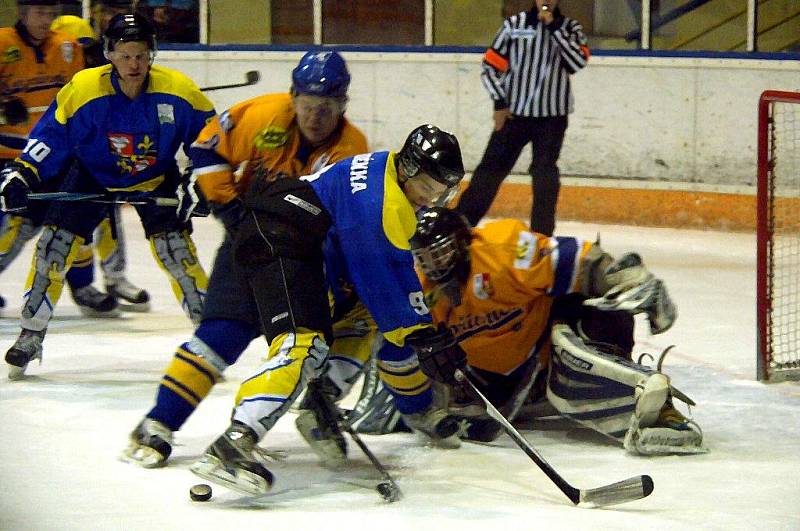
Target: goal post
x=778 y=236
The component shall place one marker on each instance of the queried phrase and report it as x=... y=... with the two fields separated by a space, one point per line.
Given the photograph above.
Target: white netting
x=784 y=251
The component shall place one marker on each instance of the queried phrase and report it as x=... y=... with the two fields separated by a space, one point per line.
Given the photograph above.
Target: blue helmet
x=321 y=74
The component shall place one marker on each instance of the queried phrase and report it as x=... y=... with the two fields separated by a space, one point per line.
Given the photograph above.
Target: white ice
x=64 y=426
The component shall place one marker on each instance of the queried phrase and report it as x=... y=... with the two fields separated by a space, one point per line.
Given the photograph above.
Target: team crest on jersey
x=68 y=51
x=482 y=286
x=526 y=247
x=271 y=138
x=12 y=54
x=166 y=113
x=133 y=157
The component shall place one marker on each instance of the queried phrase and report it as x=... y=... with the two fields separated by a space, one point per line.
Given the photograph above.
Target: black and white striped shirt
x=527 y=68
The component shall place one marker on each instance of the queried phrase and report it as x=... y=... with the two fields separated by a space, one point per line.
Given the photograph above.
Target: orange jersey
x=263 y=133
x=514 y=276
x=34 y=75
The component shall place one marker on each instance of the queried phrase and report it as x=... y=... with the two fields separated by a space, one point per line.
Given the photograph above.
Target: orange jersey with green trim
x=263 y=133
x=514 y=276
x=34 y=75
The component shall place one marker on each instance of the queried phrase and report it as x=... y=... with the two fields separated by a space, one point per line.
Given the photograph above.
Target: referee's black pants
x=546 y=136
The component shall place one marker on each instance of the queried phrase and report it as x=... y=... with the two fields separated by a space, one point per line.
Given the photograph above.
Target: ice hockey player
x=523 y=304
x=114 y=128
x=350 y=221
x=286 y=134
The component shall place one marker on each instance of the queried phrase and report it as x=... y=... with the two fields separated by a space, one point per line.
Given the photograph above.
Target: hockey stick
x=329 y=417
x=104 y=198
x=251 y=78
x=623 y=491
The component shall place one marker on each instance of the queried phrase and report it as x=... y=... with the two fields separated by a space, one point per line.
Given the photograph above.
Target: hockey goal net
x=778 y=233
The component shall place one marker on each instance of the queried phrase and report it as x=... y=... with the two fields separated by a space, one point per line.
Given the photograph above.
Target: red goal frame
x=764 y=227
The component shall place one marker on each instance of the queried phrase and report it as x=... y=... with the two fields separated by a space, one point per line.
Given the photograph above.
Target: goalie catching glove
x=16 y=181
x=438 y=353
x=191 y=201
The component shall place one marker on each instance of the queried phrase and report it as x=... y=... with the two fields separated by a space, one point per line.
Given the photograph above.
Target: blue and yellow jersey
x=127 y=145
x=367 y=246
x=33 y=74
x=262 y=134
x=514 y=276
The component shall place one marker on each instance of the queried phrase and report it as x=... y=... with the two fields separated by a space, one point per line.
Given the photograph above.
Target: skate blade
x=144 y=456
x=134 y=307
x=212 y=469
x=16 y=373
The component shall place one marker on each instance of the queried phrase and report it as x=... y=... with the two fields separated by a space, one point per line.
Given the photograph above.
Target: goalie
x=543 y=315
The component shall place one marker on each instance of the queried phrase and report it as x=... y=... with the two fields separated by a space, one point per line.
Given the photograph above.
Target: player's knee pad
x=226 y=338
x=15 y=232
x=399 y=371
x=593 y=388
x=176 y=254
x=55 y=252
x=295 y=358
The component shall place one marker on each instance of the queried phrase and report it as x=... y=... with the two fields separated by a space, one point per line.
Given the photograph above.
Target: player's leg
x=67 y=225
x=502 y=152
x=547 y=137
x=228 y=325
x=280 y=256
x=91 y=301
x=623 y=400
x=353 y=343
x=110 y=247
x=173 y=249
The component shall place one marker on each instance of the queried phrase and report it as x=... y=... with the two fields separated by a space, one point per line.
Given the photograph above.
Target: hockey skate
x=435 y=424
x=657 y=428
x=636 y=290
x=94 y=303
x=129 y=297
x=231 y=462
x=27 y=348
x=150 y=444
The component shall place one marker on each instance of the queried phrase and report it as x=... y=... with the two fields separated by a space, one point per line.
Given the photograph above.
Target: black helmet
x=433 y=151
x=129 y=27
x=440 y=246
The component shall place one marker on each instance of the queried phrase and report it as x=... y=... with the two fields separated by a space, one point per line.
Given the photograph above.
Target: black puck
x=388 y=491
x=200 y=492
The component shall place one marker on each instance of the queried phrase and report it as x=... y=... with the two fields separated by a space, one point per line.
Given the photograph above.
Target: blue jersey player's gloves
x=191 y=201
x=15 y=182
x=438 y=353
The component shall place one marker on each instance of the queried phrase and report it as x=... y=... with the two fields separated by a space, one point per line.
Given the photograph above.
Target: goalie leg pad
x=55 y=252
x=176 y=254
x=600 y=391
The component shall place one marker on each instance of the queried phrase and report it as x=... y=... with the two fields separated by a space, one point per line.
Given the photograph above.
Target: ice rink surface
x=64 y=426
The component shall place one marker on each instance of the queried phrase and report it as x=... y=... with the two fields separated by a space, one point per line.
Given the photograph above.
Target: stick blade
x=252 y=77
x=631 y=489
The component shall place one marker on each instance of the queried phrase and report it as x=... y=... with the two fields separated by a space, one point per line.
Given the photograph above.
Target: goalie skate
x=129 y=297
x=150 y=444
x=435 y=424
x=230 y=461
x=27 y=348
x=636 y=290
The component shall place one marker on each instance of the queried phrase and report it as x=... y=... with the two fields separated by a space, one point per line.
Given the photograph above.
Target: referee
x=526 y=72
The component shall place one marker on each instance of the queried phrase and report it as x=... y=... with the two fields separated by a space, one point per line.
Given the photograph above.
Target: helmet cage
x=437 y=259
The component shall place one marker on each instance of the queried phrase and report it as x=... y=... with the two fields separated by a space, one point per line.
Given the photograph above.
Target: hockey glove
x=13 y=112
x=191 y=201
x=15 y=183
x=438 y=353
